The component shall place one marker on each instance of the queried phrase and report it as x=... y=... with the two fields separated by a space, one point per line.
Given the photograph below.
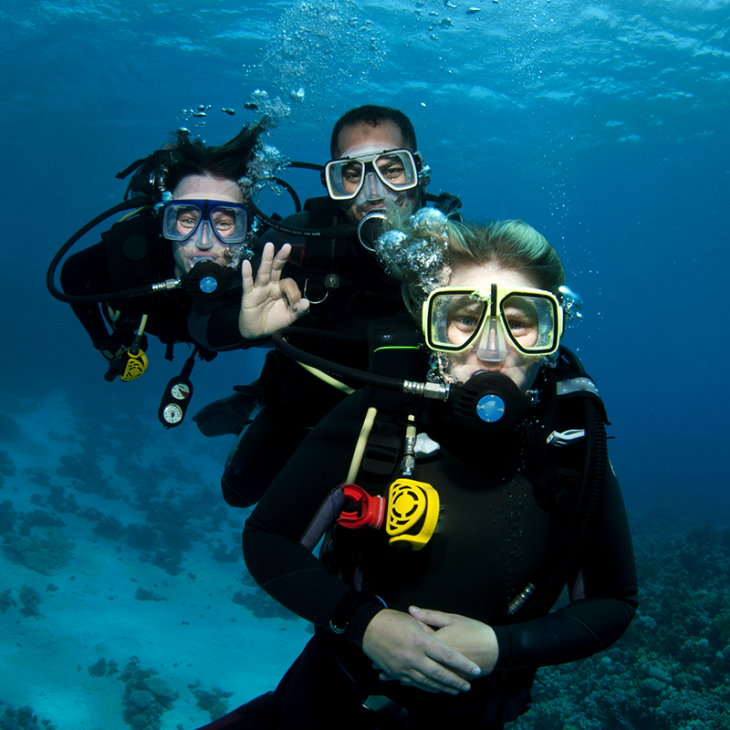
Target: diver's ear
x=424 y=176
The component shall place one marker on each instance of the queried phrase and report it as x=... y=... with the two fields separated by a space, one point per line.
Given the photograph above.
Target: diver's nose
x=374 y=189
x=493 y=342
x=204 y=239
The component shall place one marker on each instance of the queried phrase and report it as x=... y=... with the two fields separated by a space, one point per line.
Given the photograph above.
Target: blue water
x=604 y=125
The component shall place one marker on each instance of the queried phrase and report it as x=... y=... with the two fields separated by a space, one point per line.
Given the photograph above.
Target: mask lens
x=455 y=319
x=182 y=219
x=530 y=321
x=396 y=169
x=344 y=178
x=230 y=223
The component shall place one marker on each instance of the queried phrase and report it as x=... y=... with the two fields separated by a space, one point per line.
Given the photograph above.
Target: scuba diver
x=165 y=269
x=333 y=277
x=454 y=511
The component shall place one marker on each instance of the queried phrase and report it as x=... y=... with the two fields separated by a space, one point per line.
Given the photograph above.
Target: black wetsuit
x=491 y=537
x=131 y=254
x=347 y=289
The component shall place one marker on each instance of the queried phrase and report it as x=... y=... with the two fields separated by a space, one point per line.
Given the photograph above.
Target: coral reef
x=262 y=605
x=103 y=668
x=38 y=475
x=22 y=719
x=222 y=554
x=44 y=555
x=86 y=475
x=7 y=467
x=38 y=518
x=29 y=599
x=141 y=537
x=146 y=696
x=6 y=600
x=109 y=526
x=168 y=560
x=8 y=515
x=142 y=594
x=98 y=669
x=212 y=701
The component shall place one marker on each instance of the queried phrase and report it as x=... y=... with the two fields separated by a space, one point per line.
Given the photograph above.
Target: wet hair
x=510 y=244
x=374 y=115
x=229 y=161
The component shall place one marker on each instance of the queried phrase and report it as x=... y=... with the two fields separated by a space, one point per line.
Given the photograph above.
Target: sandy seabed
x=88 y=609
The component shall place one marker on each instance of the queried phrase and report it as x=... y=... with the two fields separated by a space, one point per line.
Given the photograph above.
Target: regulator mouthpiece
x=371 y=228
x=489 y=401
x=207 y=280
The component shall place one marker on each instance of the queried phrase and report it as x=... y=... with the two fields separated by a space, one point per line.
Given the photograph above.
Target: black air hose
x=595 y=467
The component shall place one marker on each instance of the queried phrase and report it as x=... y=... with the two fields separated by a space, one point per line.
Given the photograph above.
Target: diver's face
x=204 y=245
x=363 y=138
x=521 y=368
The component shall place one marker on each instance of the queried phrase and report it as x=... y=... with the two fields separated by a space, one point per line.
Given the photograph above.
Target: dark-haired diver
x=185 y=241
x=375 y=162
x=462 y=516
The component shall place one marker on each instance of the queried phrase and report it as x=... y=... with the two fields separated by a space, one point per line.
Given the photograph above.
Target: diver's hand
x=474 y=639
x=269 y=303
x=403 y=650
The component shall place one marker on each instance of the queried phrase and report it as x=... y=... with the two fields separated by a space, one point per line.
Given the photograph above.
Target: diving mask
x=374 y=175
x=456 y=318
x=183 y=220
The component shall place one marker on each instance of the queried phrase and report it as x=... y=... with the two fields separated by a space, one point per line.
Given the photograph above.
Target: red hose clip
x=370 y=510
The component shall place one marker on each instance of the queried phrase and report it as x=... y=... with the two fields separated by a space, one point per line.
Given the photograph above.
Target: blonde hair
x=511 y=244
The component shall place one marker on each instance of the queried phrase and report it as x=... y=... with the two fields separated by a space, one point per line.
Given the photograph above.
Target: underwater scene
x=124 y=598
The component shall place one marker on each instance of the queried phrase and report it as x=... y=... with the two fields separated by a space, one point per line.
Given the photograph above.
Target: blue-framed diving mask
x=457 y=318
x=183 y=220
x=372 y=176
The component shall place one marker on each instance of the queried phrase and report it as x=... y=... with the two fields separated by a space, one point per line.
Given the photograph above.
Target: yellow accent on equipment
x=413 y=512
x=135 y=366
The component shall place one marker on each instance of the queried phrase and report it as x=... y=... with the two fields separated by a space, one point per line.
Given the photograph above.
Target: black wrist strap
x=348 y=607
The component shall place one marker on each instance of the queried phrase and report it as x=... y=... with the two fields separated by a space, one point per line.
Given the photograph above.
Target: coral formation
x=109 y=526
x=24 y=718
x=8 y=515
x=44 y=555
x=212 y=701
x=6 y=600
x=98 y=669
x=146 y=697
x=38 y=475
x=38 y=518
x=86 y=475
x=222 y=554
x=29 y=599
x=144 y=595
x=7 y=467
x=262 y=605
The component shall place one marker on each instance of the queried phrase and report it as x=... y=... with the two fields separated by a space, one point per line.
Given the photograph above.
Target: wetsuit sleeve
x=86 y=273
x=597 y=619
x=276 y=559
